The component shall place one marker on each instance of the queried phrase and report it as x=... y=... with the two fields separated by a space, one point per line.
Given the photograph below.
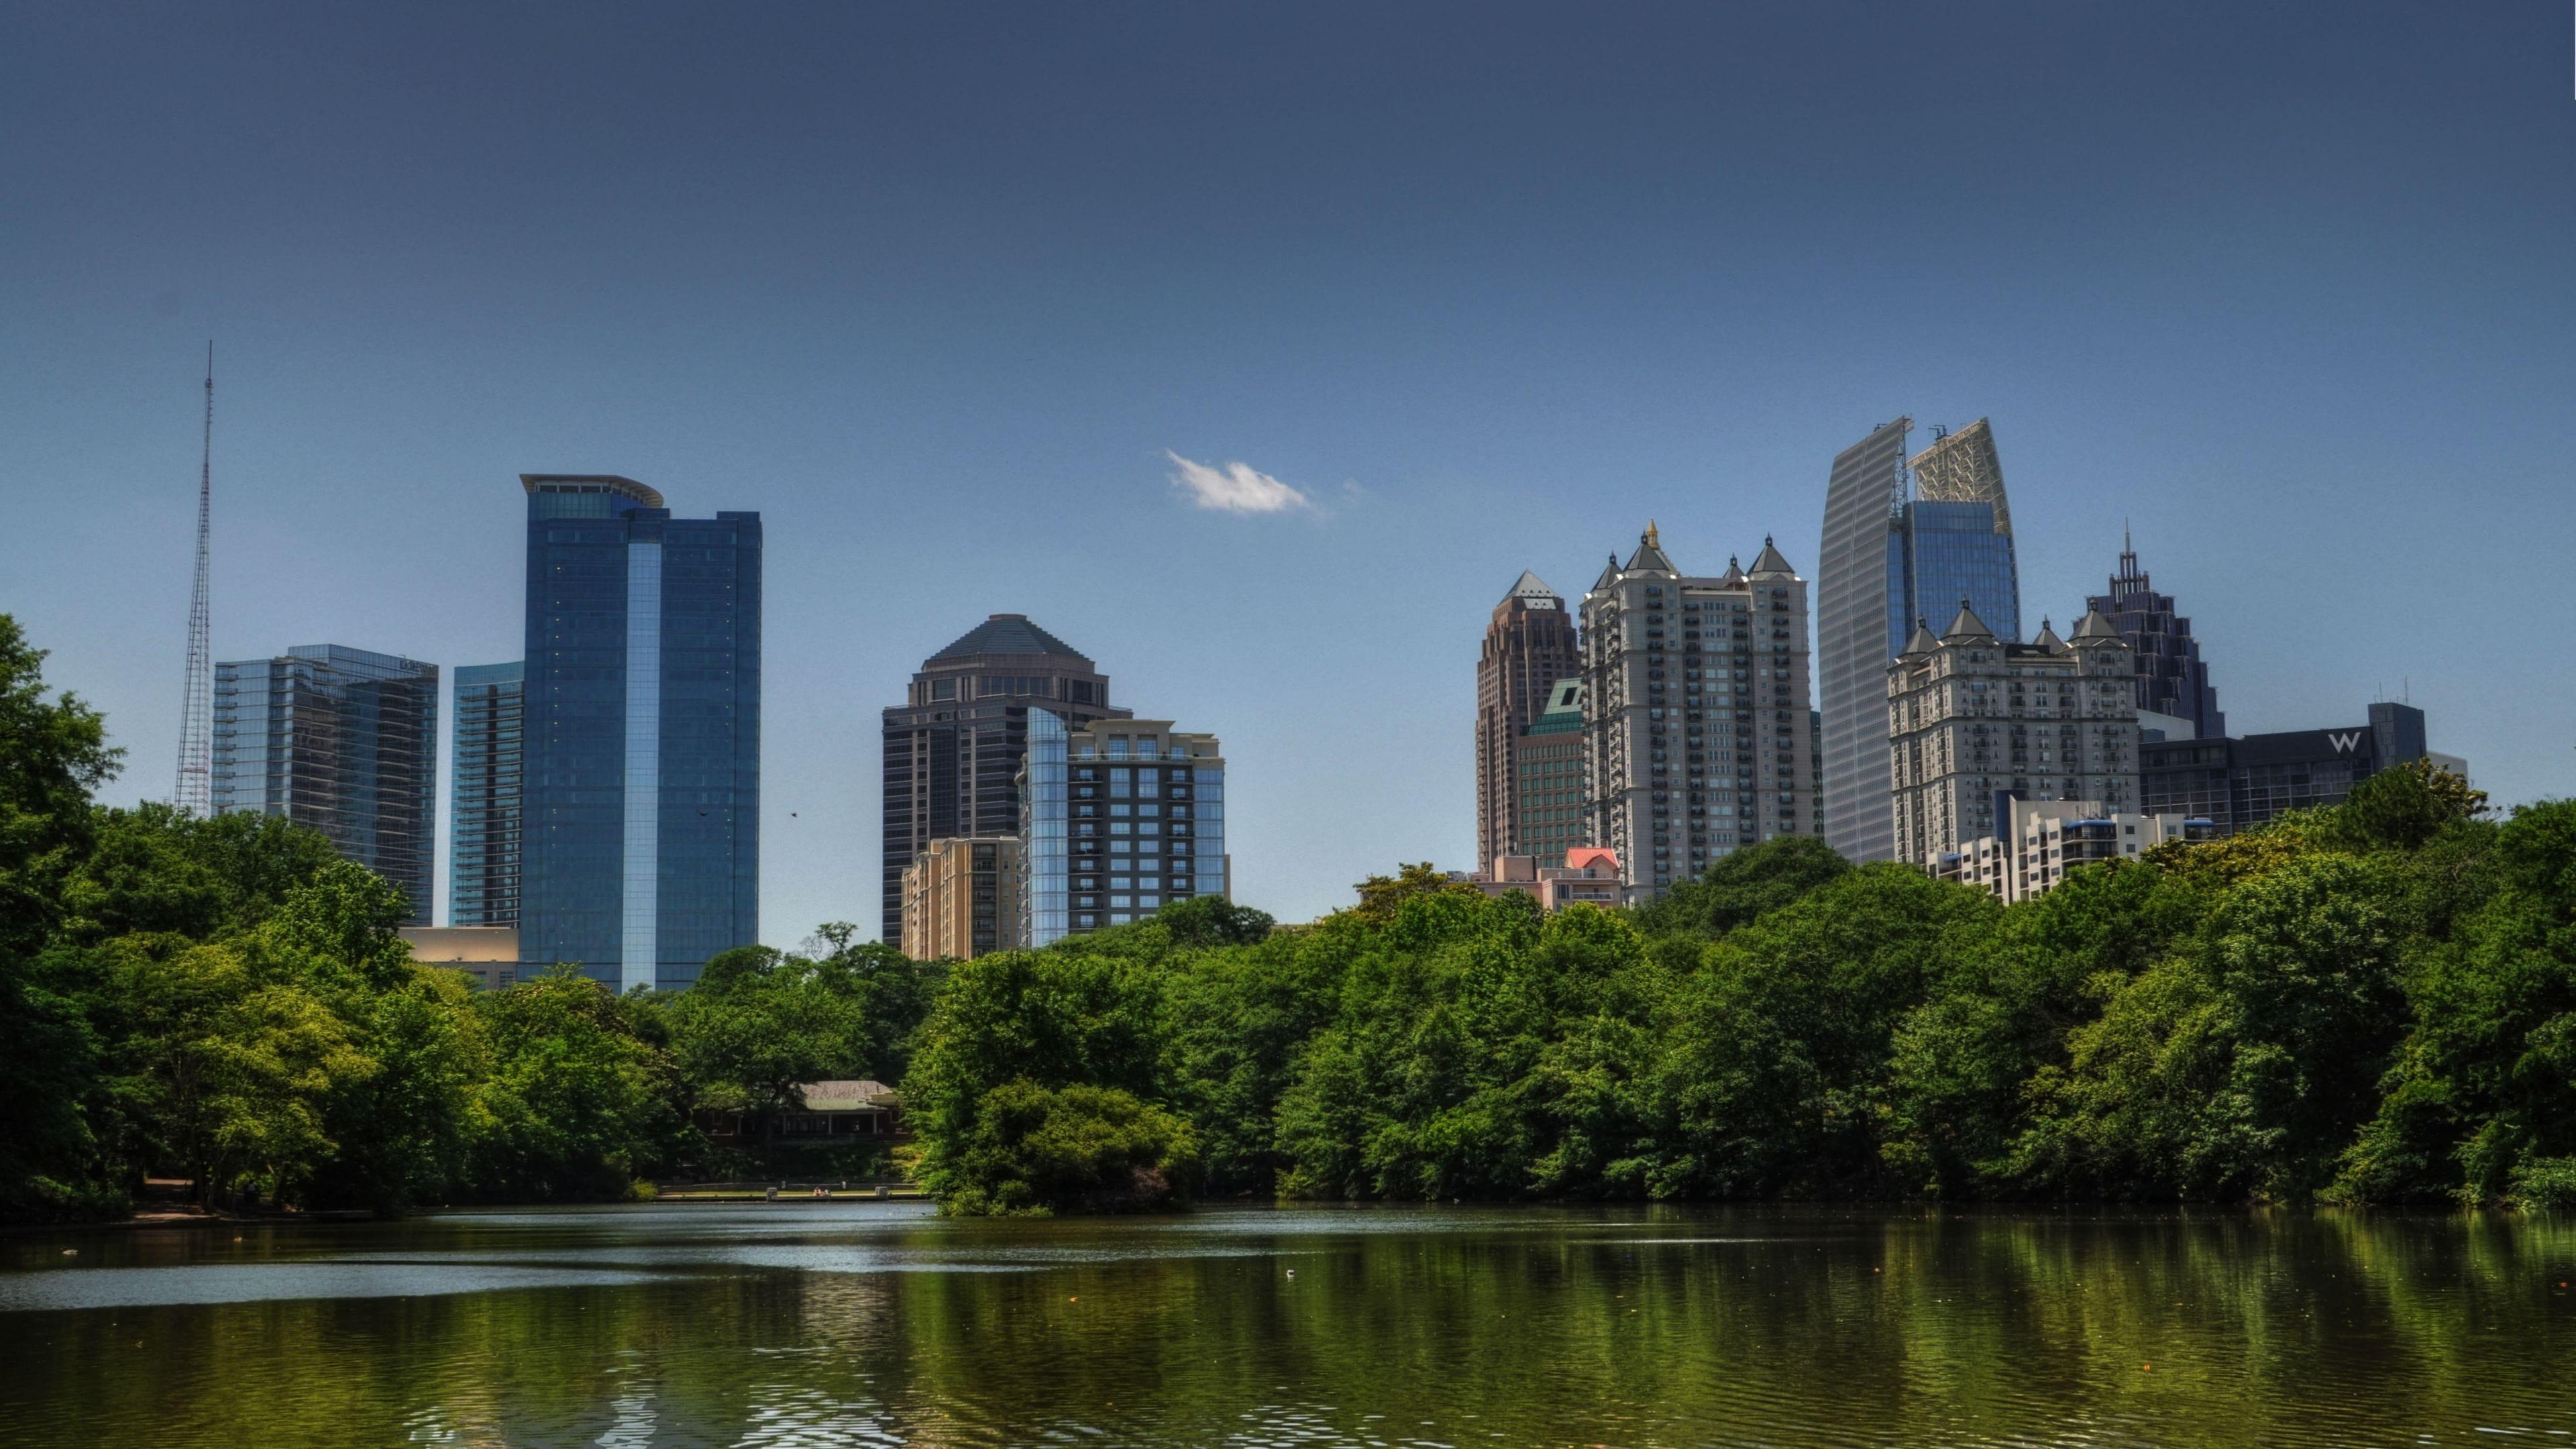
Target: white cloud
x=1235 y=488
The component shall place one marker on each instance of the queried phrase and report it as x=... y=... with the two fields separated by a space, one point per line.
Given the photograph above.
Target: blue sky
x=942 y=291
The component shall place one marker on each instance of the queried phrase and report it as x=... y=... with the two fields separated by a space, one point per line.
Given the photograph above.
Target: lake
x=876 y=1323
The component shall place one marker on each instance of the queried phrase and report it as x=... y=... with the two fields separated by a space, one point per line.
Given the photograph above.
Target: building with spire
x=955 y=746
x=2172 y=679
x=1548 y=796
x=1904 y=538
x=1976 y=721
x=1697 y=730
x=1529 y=647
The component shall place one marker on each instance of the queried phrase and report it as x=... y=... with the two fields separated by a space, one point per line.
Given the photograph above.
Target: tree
x=1033 y=1150
x=1381 y=896
x=760 y=1025
x=1744 y=885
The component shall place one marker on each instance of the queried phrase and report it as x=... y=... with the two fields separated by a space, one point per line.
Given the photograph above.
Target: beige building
x=1590 y=875
x=1973 y=720
x=489 y=954
x=1698 y=736
x=2044 y=839
x=962 y=898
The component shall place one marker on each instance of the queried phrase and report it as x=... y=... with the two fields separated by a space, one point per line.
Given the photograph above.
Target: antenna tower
x=195 y=791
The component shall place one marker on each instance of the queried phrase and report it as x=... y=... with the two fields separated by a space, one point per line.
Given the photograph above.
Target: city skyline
x=1281 y=423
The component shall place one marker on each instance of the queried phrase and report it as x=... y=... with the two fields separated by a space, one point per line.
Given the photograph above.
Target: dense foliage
x=226 y=1001
x=2375 y=1003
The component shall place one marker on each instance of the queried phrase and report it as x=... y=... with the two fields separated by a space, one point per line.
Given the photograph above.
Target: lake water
x=870 y=1323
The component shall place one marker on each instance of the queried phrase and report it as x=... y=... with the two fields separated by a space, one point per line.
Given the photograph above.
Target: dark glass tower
x=1905 y=539
x=2171 y=677
x=640 y=826
x=954 y=748
x=1529 y=647
x=341 y=740
x=489 y=778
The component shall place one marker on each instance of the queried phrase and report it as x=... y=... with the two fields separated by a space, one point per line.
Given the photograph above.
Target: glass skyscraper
x=640 y=822
x=1904 y=539
x=483 y=844
x=341 y=740
x=1118 y=818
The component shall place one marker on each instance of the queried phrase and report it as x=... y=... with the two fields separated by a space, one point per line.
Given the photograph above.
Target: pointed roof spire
x=2096 y=629
x=1649 y=557
x=2048 y=639
x=1769 y=560
x=1734 y=572
x=1609 y=574
x=1531 y=586
x=1921 y=641
x=1967 y=625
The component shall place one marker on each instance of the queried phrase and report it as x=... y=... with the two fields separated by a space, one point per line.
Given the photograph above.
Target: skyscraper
x=1898 y=549
x=1118 y=819
x=640 y=826
x=343 y=741
x=1697 y=735
x=954 y=747
x=2172 y=680
x=489 y=779
x=1529 y=646
x=1547 y=781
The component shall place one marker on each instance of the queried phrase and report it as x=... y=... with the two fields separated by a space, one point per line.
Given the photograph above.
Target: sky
x=1255 y=351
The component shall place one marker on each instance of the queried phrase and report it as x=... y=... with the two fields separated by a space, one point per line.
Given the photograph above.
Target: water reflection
x=873 y=1324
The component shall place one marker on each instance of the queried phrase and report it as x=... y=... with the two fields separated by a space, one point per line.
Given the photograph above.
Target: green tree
x=1033 y=1150
x=1744 y=885
x=579 y=1102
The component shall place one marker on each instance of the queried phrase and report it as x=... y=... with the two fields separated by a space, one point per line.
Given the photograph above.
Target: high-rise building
x=962 y=899
x=341 y=740
x=1547 y=779
x=954 y=747
x=1904 y=539
x=639 y=842
x=1697 y=733
x=1977 y=721
x=2240 y=783
x=2044 y=839
x=1529 y=646
x=488 y=775
x=1118 y=819
x=2172 y=680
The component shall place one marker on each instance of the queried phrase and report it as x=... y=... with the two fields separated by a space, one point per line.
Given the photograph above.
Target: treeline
x=227 y=1001
x=2375 y=1003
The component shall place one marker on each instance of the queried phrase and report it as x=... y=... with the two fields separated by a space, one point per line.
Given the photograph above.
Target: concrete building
x=1529 y=648
x=2241 y=783
x=2172 y=679
x=1904 y=539
x=485 y=808
x=1589 y=875
x=487 y=954
x=1974 y=719
x=954 y=747
x=1118 y=819
x=1547 y=777
x=1697 y=726
x=2044 y=839
x=343 y=741
x=961 y=898
x=639 y=842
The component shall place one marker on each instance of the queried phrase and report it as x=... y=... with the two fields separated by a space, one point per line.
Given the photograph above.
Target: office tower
x=1118 y=819
x=2172 y=680
x=343 y=741
x=483 y=838
x=1529 y=646
x=954 y=747
x=193 y=792
x=2240 y=783
x=639 y=842
x=961 y=899
x=1696 y=715
x=1899 y=546
x=1979 y=720
x=1548 y=797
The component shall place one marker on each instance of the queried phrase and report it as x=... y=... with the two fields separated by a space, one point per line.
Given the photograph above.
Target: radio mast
x=195 y=791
